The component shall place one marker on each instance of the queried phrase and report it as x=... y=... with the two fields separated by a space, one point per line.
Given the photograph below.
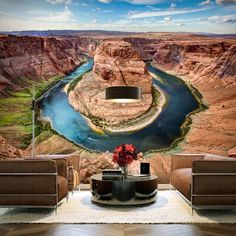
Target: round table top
x=130 y=178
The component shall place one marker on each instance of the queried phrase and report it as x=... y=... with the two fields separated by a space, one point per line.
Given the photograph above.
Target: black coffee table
x=133 y=190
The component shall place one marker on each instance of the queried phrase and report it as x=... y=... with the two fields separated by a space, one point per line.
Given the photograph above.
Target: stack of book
x=111 y=174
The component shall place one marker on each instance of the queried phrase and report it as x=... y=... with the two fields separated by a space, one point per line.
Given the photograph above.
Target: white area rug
x=170 y=207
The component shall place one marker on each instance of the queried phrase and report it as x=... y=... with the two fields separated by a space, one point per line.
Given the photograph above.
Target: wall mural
x=188 y=92
x=96 y=124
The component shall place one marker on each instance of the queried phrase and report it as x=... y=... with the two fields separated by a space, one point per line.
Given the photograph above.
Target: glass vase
x=124 y=171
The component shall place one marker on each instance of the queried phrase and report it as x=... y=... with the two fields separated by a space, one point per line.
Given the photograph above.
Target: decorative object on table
x=109 y=174
x=124 y=155
x=145 y=168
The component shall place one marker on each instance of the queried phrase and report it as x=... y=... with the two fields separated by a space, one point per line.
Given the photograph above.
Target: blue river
x=160 y=134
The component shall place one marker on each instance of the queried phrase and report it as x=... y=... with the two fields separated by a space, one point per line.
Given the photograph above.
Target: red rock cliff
x=198 y=59
x=117 y=63
x=8 y=151
x=210 y=66
x=33 y=57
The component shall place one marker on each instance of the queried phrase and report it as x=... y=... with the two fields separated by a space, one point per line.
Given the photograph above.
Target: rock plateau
x=115 y=63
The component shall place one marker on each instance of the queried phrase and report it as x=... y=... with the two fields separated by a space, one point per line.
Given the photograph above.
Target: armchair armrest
x=179 y=161
x=62 y=165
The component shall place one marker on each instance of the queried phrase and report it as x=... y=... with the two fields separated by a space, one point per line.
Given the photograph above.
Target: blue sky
x=213 y=16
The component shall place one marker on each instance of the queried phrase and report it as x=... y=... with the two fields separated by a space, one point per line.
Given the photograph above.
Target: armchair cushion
x=62 y=187
x=214 y=157
x=232 y=152
x=181 y=180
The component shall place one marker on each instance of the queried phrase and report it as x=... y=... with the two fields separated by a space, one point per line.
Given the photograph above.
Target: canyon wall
x=145 y=46
x=210 y=66
x=203 y=60
x=25 y=58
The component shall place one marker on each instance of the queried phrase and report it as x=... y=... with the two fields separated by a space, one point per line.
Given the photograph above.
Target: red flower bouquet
x=124 y=154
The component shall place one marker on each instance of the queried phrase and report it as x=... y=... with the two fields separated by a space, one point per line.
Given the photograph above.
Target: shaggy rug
x=170 y=207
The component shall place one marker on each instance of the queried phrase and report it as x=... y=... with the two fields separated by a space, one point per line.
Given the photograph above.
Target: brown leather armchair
x=204 y=180
x=33 y=183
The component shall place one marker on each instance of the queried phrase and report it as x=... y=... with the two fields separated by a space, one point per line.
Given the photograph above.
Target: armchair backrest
x=179 y=161
x=214 y=177
x=60 y=161
x=214 y=166
x=27 y=166
x=28 y=177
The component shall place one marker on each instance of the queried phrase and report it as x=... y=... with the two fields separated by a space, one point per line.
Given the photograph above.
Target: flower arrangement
x=124 y=154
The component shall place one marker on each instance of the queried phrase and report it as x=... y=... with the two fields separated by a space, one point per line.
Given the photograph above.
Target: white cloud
x=12 y=24
x=105 y=1
x=153 y=8
x=204 y=3
x=221 y=19
x=136 y=2
x=84 y=4
x=141 y=25
x=94 y=21
x=108 y=11
x=143 y=2
x=162 y=13
x=221 y=2
x=59 y=1
x=151 y=2
x=168 y=18
x=61 y=16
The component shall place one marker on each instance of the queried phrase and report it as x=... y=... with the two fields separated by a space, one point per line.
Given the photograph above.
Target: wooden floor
x=116 y=229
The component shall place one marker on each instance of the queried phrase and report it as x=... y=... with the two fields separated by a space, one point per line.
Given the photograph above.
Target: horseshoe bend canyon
x=206 y=64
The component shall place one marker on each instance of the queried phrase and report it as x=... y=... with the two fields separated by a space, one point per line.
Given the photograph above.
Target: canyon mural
x=204 y=65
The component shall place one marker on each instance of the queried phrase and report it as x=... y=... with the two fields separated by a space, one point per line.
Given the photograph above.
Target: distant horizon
x=116 y=31
x=192 y=16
